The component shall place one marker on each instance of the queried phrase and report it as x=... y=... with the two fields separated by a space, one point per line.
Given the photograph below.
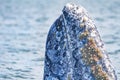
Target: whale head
x=74 y=49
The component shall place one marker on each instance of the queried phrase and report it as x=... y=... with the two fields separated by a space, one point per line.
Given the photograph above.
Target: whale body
x=74 y=49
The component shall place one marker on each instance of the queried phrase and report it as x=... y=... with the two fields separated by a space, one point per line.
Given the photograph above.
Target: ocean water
x=24 y=25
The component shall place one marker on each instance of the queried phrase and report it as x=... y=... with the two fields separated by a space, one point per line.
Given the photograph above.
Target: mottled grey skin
x=64 y=59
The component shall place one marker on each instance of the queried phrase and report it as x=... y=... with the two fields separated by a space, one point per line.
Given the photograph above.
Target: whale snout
x=73 y=13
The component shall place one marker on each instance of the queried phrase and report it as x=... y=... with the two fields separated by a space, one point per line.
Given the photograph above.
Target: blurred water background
x=24 y=25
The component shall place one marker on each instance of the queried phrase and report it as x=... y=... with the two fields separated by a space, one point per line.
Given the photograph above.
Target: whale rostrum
x=74 y=49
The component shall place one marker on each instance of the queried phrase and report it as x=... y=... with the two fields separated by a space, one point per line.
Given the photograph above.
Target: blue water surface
x=24 y=25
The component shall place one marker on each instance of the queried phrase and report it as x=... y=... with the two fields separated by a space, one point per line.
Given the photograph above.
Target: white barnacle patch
x=79 y=10
x=85 y=18
x=82 y=25
x=81 y=48
x=98 y=41
x=83 y=21
x=93 y=34
x=69 y=6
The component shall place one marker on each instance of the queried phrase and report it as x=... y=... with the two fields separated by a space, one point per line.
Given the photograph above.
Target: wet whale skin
x=74 y=49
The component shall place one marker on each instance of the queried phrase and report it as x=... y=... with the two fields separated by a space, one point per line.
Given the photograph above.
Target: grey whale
x=74 y=49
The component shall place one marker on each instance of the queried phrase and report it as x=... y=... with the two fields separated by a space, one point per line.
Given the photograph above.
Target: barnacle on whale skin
x=74 y=50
